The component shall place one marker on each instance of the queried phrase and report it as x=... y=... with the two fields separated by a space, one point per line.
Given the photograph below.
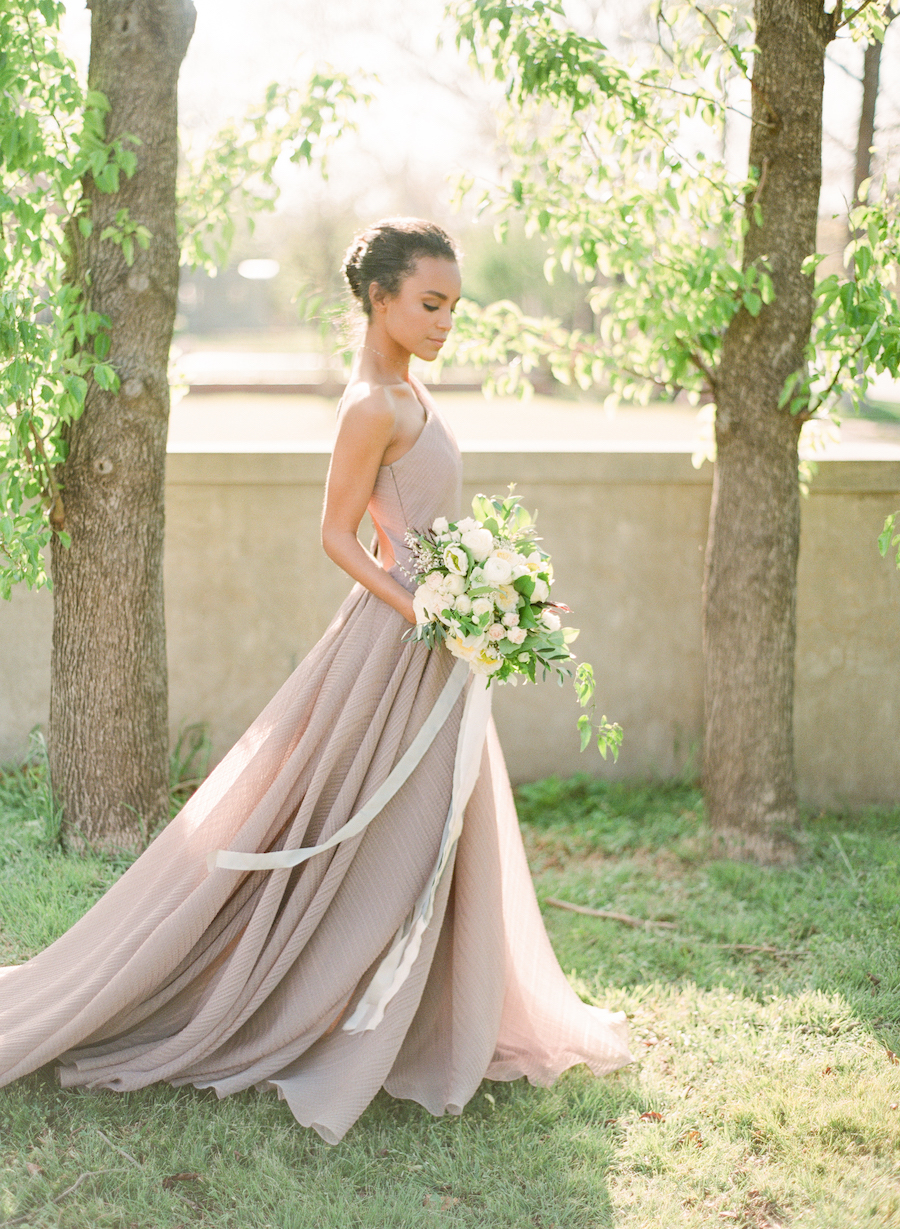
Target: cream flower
x=486 y=661
x=511 y=619
x=516 y=635
x=467 y=523
x=496 y=631
x=428 y=604
x=479 y=541
x=541 y=591
x=463 y=604
x=498 y=567
x=454 y=584
x=456 y=559
x=551 y=620
x=466 y=647
x=440 y=524
x=505 y=598
x=435 y=581
x=482 y=606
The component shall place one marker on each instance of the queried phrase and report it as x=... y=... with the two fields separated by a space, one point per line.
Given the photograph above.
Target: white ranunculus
x=496 y=631
x=440 y=524
x=551 y=620
x=456 y=559
x=541 y=591
x=463 y=604
x=482 y=606
x=511 y=619
x=454 y=584
x=480 y=542
x=435 y=581
x=505 y=598
x=498 y=567
x=516 y=635
x=524 y=656
x=467 y=523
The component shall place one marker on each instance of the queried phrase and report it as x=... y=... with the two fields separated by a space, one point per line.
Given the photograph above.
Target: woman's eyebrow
x=437 y=294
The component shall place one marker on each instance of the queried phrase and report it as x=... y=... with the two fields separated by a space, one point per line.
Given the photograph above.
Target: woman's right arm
x=365 y=432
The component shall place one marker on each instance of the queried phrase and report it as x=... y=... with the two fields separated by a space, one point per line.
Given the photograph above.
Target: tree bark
x=751 y=561
x=866 y=131
x=109 y=687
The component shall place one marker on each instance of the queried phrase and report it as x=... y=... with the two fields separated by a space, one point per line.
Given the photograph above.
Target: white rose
x=439 y=524
x=435 y=581
x=480 y=542
x=467 y=523
x=463 y=604
x=482 y=606
x=506 y=598
x=496 y=631
x=551 y=620
x=516 y=635
x=541 y=591
x=498 y=567
x=524 y=656
x=454 y=584
x=511 y=619
x=456 y=559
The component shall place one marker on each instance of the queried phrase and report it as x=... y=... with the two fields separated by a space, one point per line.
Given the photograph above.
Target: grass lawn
x=765 y=1091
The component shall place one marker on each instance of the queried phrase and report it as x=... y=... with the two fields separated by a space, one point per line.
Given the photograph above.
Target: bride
x=239 y=952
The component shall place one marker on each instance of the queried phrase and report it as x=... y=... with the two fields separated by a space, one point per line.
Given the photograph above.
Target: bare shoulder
x=368 y=407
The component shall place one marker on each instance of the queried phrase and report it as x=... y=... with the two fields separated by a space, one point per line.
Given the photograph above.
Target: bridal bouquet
x=484 y=592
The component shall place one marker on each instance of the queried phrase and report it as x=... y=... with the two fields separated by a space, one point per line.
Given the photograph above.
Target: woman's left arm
x=366 y=430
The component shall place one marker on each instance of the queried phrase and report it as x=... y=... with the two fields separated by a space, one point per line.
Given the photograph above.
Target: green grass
x=765 y=1090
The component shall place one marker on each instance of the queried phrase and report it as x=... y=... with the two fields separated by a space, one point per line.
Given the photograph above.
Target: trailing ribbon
x=396 y=965
x=281 y=859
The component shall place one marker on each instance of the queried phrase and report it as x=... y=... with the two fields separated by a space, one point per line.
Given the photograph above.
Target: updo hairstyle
x=387 y=252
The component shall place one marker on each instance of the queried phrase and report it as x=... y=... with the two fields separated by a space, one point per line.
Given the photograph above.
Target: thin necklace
x=372 y=350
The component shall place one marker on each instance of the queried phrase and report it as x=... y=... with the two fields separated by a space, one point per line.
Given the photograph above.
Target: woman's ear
x=377 y=297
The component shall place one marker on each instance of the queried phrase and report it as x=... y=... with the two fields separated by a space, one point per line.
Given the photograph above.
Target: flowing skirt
x=229 y=979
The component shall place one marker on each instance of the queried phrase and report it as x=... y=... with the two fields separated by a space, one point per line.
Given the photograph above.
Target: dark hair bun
x=387 y=252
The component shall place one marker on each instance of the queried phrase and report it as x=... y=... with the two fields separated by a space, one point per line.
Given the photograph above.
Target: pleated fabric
x=228 y=979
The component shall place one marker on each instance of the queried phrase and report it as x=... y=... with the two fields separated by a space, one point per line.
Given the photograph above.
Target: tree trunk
x=866 y=131
x=108 y=706
x=751 y=561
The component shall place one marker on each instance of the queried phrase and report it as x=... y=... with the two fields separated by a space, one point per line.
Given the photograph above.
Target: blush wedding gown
x=228 y=979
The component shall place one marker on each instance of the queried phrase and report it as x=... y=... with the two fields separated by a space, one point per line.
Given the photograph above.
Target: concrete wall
x=249 y=591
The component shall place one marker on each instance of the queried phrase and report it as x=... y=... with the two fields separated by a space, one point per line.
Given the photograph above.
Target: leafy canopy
x=52 y=345
x=623 y=169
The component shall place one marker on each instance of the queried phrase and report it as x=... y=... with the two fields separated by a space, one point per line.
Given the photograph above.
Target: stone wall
x=249 y=591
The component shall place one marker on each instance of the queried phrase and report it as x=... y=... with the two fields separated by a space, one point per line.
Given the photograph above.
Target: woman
x=302 y=976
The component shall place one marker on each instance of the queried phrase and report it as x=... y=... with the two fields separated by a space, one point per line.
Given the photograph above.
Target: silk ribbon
x=280 y=859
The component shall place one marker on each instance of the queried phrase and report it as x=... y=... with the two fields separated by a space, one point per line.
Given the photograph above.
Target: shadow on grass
x=165 y=1157
x=764 y=1089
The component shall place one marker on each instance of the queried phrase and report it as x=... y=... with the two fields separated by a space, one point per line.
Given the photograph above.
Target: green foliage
x=887 y=538
x=234 y=174
x=620 y=168
x=763 y=1090
x=52 y=344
